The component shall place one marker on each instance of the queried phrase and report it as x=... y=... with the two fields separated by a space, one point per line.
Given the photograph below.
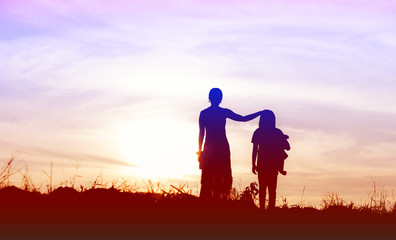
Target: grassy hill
x=110 y=213
x=119 y=213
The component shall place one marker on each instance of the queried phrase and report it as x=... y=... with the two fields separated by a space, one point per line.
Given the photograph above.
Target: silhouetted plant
x=250 y=194
x=27 y=182
x=332 y=200
x=378 y=200
x=284 y=203
x=6 y=172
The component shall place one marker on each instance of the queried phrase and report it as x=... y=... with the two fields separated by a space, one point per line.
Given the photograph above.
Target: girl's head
x=215 y=96
x=267 y=119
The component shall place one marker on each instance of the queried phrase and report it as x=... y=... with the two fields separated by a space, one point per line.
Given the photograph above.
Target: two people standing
x=215 y=158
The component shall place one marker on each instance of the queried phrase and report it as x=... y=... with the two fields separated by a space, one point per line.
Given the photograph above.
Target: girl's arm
x=254 y=157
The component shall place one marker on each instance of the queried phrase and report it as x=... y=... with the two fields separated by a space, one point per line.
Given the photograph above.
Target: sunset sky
x=117 y=87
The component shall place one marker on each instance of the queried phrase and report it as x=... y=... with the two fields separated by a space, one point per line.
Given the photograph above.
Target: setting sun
x=158 y=147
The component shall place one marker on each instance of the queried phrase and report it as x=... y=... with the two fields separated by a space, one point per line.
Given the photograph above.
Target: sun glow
x=158 y=147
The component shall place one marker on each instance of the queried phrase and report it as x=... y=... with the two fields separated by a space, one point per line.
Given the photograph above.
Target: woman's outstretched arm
x=240 y=118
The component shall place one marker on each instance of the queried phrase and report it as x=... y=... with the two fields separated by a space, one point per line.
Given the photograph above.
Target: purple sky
x=117 y=87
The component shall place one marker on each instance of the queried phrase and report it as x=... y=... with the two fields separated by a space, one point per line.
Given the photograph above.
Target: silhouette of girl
x=268 y=156
x=215 y=161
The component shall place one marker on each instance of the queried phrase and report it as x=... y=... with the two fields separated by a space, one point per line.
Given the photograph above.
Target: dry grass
x=380 y=201
x=120 y=209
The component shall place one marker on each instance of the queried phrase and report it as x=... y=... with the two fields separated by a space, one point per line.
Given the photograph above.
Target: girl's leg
x=273 y=180
x=262 y=189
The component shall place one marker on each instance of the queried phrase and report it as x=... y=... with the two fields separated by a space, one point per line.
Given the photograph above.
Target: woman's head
x=215 y=96
x=267 y=119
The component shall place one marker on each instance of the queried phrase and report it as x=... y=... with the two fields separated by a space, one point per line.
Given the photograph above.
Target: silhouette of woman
x=215 y=161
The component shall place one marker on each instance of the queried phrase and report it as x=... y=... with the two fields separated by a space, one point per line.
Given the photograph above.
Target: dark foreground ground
x=111 y=214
